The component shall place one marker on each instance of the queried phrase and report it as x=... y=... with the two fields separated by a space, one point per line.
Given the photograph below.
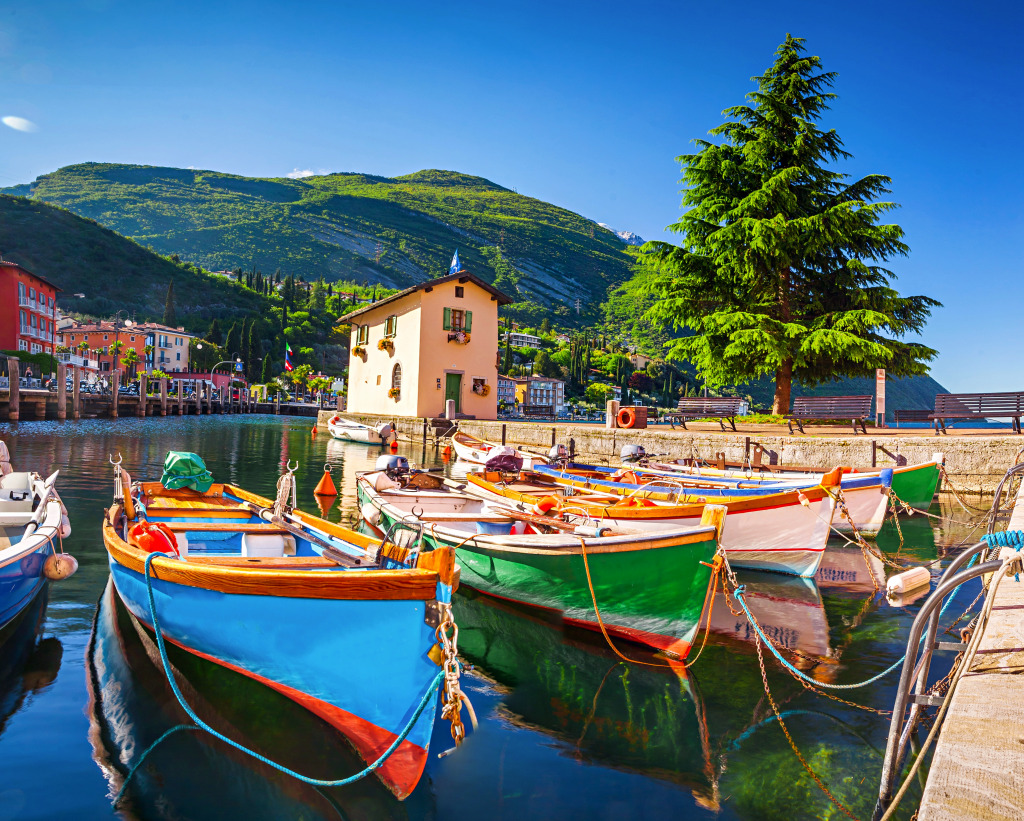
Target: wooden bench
x=539 y=411
x=701 y=407
x=854 y=408
x=912 y=415
x=978 y=406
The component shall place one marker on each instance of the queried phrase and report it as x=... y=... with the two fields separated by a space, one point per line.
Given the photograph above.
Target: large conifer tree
x=169 y=318
x=779 y=270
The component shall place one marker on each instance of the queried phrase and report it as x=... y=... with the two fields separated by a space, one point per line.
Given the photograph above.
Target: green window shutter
x=469 y=322
x=447 y=319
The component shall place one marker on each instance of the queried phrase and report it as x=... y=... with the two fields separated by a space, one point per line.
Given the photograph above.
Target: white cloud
x=298 y=175
x=19 y=124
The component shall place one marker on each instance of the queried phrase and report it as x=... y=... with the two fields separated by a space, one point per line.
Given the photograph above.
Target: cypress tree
x=780 y=269
x=265 y=371
x=214 y=334
x=169 y=305
x=231 y=344
x=250 y=352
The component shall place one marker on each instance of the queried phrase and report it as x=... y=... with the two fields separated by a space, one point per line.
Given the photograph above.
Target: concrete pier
x=978 y=768
x=975 y=459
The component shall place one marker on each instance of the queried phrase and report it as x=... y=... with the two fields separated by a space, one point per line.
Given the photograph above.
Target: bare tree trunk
x=783 y=384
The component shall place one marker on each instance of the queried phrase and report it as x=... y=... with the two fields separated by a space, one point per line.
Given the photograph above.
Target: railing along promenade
x=155 y=397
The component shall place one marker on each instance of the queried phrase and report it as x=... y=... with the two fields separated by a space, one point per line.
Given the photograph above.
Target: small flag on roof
x=456 y=266
x=288 y=357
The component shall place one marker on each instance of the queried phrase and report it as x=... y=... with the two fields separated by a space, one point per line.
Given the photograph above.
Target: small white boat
x=477 y=451
x=342 y=428
x=32 y=523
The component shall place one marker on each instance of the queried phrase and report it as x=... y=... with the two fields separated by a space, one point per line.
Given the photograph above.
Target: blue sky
x=581 y=104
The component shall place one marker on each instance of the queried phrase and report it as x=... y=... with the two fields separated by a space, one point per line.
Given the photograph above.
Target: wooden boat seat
x=225 y=527
x=462 y=517
x=266 y=562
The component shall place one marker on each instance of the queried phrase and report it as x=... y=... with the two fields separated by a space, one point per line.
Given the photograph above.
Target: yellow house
x=435 y=341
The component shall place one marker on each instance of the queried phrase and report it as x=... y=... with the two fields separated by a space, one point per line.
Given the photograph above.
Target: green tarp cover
x=183 y=469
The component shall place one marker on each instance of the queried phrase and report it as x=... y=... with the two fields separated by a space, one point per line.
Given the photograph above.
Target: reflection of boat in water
x=851 y=570
x=571 y=686
x=191 y=775
x=789 y=610
x=26 y=665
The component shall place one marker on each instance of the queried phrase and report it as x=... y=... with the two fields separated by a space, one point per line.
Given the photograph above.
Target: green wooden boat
x=650 y=587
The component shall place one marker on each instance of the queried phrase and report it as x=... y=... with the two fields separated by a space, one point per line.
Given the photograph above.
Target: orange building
x=170 y=346
x=28 y=310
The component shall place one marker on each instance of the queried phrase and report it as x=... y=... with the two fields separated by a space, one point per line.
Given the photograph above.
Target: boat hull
x=477 y=451
x=21 y=567
x=649 y=588
x=324 y=654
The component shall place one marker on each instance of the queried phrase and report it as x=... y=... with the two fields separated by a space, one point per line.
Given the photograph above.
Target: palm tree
x=130 y=360
x=148 y=350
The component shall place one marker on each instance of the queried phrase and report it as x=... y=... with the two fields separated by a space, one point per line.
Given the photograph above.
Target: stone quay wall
x=974 y=463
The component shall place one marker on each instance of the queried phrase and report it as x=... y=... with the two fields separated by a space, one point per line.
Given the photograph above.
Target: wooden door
x=453 y=390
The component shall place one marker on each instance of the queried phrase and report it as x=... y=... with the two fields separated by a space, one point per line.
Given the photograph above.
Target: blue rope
x=1008 y=538
x=800 y=674
x=201 y=725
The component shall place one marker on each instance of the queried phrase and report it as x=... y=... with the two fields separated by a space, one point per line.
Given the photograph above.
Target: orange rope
x=712 y=585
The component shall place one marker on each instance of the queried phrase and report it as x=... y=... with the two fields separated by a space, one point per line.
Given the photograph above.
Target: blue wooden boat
x=32 y=523
x=337 y=621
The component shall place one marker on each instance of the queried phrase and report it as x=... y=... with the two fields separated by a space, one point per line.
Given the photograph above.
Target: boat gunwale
x=621 y=543
x=412 y=584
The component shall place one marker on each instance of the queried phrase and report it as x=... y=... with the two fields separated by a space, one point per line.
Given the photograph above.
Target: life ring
x=626 y=417
x=154 y=537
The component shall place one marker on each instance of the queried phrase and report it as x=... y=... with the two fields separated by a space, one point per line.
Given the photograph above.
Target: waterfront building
x=170 y=345
x=541 y=391
x=506 y=392
x=412 y=351
x=28 y=310
x=523 y=340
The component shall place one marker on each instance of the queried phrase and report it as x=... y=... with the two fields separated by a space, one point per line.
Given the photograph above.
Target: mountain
x=111 y=271
x=627 y=237
x=347 y=226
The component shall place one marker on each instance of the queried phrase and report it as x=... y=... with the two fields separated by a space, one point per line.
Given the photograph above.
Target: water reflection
x=190 y=774
x=646 y=719
x=28 y=665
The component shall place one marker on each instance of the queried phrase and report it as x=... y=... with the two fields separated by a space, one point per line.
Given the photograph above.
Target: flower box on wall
x=359 y=350
x=395 y=393
x=460 y=337
x=386 y=345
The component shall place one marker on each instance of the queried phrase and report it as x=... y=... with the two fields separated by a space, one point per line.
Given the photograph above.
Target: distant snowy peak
x=628 y=237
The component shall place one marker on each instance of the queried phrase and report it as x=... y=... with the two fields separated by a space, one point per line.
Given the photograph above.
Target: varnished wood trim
x=200 y=513
x=265 y=562
x=157 y=489
x=364 y=585
x=227 y=527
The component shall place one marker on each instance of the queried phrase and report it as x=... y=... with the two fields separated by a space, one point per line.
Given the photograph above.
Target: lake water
x=567 y=730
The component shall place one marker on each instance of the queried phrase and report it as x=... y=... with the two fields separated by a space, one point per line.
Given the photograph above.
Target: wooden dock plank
x=978 y=768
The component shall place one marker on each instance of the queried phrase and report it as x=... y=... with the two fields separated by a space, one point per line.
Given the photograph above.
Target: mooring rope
x=202 y=725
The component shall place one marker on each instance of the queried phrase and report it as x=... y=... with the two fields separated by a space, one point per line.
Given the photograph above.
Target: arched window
x=396 y=377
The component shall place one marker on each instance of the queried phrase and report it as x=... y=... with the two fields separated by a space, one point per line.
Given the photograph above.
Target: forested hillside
x=355 y=227
x=111 y=271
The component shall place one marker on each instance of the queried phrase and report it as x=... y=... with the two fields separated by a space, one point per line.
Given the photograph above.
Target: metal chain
x=452 y=696
x=778 y=715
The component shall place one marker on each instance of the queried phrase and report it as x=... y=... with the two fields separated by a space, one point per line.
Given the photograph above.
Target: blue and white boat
x=32 y=523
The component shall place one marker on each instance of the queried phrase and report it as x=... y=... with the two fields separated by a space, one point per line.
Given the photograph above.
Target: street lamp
x=237 y=360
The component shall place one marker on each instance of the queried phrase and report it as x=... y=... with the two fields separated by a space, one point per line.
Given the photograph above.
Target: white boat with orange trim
x=477 y=451
x=784 y=532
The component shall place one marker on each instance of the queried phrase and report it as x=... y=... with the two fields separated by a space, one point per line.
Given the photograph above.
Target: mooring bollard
x=62 y=391
x=503 y=426
x=76 y=392
x=14 y=380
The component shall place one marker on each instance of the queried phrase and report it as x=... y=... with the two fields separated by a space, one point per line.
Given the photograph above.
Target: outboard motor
x=558 y=455
x=395 y=467
x=505 y=459
x=385 y=431
x=633 y=453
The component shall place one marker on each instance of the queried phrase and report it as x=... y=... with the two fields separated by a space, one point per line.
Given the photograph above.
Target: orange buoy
x=325 y=503
x=394 y=446
x=313 y=432
x=325 y=487
x=447 y=450
x=59 y=566
x=547 y=504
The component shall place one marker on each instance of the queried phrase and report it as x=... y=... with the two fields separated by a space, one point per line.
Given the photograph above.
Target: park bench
x=539 y=411
x=854 y=408
x=912 y=415
x=978 y=406
x=705 y=407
